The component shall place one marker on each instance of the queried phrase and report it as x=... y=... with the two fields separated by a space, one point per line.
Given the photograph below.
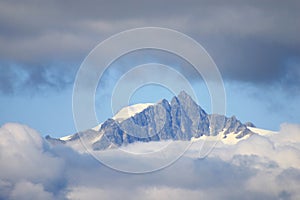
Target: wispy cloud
x=16 y=79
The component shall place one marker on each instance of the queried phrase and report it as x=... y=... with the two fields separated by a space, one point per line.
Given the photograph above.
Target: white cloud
x=148 y=193
x=29 y=191
x=23 y=155
x=24 y=159
x=261 y=167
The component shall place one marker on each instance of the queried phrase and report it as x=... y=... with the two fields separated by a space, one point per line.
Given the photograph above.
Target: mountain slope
x=180 y=119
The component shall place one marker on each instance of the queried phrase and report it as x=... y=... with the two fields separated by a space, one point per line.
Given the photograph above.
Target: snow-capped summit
x=179 y=119
x=130 y=111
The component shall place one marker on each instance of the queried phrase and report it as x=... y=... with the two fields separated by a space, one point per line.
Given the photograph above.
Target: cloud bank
x=254 y=42
x=261 y=167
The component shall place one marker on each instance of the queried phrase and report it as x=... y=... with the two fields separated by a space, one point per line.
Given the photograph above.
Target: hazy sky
x=255 y=44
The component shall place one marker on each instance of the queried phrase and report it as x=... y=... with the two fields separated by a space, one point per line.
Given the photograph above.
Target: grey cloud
x=18 y=79
x=250 y=41
x=261 y=64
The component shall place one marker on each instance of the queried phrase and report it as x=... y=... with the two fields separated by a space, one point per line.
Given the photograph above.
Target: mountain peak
x=183 y=95
x=182 y=119
x=186 y=102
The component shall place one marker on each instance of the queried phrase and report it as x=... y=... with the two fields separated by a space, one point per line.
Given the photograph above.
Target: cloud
x=261 y=167
x=250 y=41
x=23 y=79
x=24 y=161
x=146 y=193
x=28 y=191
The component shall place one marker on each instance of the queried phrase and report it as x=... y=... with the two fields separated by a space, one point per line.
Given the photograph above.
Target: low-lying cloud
x=261 y=167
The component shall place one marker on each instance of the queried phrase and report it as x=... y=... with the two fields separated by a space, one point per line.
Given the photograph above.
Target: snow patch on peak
x=229 y=139
x=66 y=138
x=130 y=111
x=260 y=131
x=97 y=128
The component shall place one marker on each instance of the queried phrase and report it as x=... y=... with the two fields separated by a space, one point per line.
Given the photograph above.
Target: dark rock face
x=181 y=119
x=54 y=140
x=220 y=123
x=250 y=124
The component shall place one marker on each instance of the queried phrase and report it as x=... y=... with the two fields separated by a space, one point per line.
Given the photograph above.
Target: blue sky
x=255 y=45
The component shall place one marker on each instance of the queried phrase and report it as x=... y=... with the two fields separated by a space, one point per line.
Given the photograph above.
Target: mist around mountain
x=263 y=166
x=245 y=162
